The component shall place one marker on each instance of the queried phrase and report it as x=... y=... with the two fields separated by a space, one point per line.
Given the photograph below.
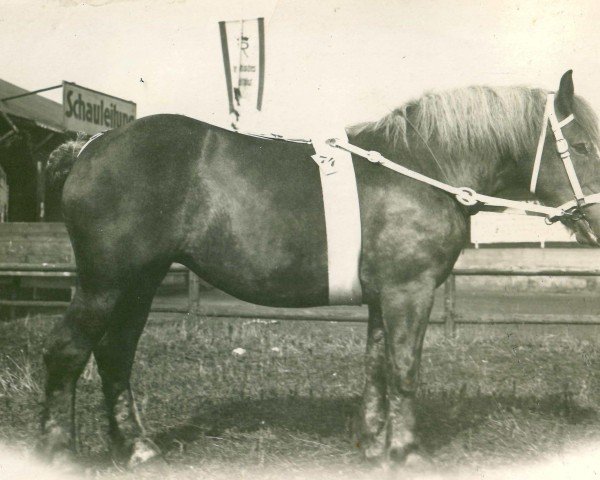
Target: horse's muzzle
x=586 y=227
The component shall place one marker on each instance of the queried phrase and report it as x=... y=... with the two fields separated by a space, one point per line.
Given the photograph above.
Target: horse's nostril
x=585 y=232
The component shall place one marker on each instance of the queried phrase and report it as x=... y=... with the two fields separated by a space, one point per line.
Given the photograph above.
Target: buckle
x=375 y=157
x=573 y=214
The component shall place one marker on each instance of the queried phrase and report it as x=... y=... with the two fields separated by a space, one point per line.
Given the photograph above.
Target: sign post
x=91 y=112
x=243 y=45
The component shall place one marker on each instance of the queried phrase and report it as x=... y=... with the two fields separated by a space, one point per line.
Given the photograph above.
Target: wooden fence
x=490 y=262
x=26 y=248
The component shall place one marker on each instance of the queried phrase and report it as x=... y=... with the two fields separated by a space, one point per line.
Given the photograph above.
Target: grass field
x=288 y=403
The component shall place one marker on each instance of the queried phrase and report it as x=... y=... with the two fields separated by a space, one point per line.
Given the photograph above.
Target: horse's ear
x=566 y=91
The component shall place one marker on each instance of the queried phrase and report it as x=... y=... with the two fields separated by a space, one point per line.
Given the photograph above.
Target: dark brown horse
x=246 y=215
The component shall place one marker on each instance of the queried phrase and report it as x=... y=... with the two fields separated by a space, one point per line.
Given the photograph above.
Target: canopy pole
x=30 y=93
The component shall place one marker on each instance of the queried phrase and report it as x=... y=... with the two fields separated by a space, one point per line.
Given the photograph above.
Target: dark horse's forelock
x=485 y=121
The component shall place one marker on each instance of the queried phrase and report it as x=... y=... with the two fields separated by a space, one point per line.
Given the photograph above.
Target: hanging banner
x=92 y=112
x=243 y=45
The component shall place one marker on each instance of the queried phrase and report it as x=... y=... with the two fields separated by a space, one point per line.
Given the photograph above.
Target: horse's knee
x=83 y=324
x=66 y=351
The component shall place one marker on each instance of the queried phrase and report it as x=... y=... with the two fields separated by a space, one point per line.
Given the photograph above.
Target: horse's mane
x=485 y=121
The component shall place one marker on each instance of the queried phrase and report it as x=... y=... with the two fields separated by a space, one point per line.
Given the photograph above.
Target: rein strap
x=464 y=195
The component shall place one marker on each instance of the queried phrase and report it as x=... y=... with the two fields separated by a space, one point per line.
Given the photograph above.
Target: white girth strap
x=342 y=221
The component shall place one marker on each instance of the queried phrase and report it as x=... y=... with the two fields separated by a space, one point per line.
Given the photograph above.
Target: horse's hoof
x=54 y=451
x=372 y=449
x=59 y=460
x=64 y=462
x=371 y=445
x=374 y=455
x=415 y=460
x=143 y=450
x=407 y=456
x=381 y=468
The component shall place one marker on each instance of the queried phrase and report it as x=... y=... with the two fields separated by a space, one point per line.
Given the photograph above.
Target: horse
x=246 y=214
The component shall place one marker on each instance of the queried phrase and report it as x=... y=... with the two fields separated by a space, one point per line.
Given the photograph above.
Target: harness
x=571 y=210
x=92 y=138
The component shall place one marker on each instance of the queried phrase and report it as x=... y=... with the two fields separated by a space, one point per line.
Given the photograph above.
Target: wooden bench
x=27 y=251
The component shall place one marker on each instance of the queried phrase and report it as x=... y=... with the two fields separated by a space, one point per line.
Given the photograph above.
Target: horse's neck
x=488 y=175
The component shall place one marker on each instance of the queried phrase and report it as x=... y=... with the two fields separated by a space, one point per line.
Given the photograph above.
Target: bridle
x=571 y=210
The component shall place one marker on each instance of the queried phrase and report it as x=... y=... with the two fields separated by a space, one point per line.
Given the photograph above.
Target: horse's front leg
x=371 y=428
x=405 y=312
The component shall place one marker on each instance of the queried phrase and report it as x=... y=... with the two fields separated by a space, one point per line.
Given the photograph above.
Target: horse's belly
x=265 y=259
x=281 y=286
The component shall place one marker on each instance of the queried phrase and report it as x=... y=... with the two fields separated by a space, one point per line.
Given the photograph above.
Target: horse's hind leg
x=66 y=354
x=114 y=356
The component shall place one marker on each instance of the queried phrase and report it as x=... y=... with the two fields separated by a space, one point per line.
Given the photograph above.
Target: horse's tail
x=61 y=161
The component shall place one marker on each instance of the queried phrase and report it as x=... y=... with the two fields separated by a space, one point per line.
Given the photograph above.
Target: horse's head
x=566 y=168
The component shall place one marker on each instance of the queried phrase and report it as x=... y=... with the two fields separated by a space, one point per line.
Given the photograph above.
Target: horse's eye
x=580 y=148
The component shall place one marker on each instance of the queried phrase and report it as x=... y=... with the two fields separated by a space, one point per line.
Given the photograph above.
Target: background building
x=30 y=128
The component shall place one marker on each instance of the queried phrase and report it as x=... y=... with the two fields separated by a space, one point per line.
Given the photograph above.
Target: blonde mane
x=483 y=121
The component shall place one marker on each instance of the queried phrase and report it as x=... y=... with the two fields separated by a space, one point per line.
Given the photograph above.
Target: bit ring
x=466 y=196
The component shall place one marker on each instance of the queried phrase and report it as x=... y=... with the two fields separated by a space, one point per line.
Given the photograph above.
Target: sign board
x=243 y=45
x=506 y=228
x=92 y=112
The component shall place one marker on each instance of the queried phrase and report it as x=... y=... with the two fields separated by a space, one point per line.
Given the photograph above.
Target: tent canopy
x=43 y=112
